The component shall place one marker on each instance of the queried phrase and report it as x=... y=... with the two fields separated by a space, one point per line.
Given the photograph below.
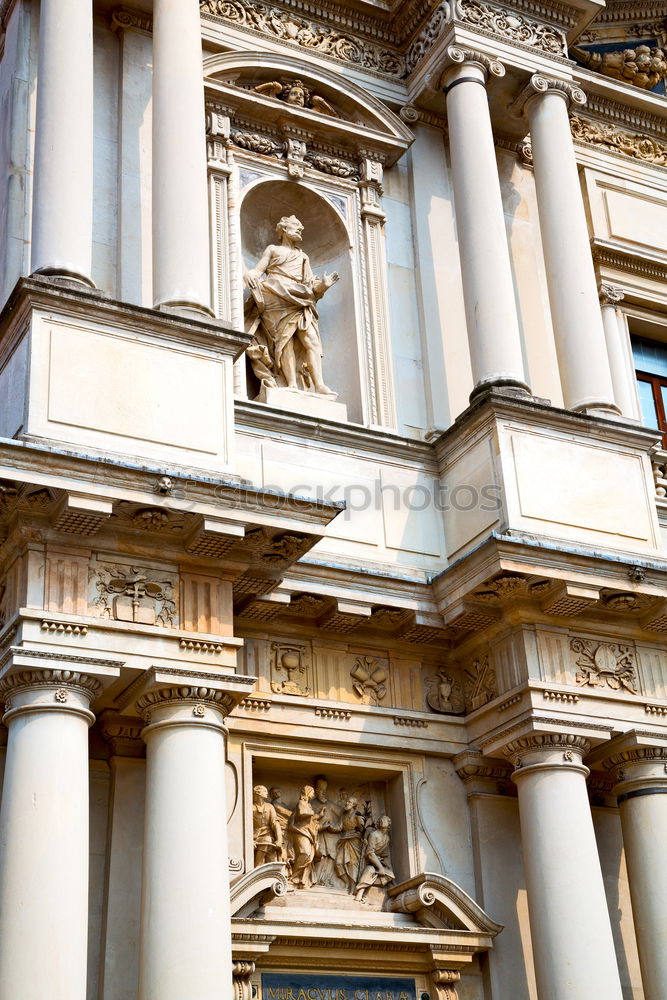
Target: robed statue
x=281 y=315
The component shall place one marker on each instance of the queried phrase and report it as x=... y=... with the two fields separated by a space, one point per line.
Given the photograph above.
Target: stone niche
x=338 y=832
x=327 y=243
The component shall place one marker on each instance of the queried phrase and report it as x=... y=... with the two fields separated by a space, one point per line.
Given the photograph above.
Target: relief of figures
x=643 y=66
x=323 y=844
x=281 y=314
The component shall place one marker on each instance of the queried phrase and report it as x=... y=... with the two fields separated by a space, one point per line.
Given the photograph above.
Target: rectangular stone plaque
x=300 y=986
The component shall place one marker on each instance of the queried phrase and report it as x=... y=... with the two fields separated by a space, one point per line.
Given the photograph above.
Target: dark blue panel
x=307 y=986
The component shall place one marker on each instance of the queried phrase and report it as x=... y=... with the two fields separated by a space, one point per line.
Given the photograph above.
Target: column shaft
x=185 y=918
x=571 y=933
x=44 y=844
x=622 y=372
x=575 y=310
x=181 y=254
x=642 y=800
x=491 y=314
x=62 y=204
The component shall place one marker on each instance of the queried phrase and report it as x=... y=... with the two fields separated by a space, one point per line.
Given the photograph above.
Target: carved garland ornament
x=641 y=147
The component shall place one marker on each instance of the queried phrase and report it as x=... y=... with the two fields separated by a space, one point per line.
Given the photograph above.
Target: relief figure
x=283 y=814
x=281 y=314
x=328 y=826
x=350 y=844
x=376 y=859
x=302 y=828
x=267 y=832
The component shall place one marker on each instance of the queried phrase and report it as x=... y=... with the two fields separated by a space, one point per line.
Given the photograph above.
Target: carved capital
x=44 y=690
x=186 y=694
x=539 y=85
x=456 y=56
x=551 y=750
x=610 y=295
x=480 y=774
x=637 y=769
x=124 y=18
x=123 y=734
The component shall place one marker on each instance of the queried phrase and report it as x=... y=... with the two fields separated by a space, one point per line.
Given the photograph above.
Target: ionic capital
x=539 y=86
x=482 y=774
x=168 y=696
x=547 y=751
x=610 y=295
x=456 y=56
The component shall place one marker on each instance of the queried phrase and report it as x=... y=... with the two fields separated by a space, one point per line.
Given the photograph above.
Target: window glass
x=649 y=415
x=650 y=356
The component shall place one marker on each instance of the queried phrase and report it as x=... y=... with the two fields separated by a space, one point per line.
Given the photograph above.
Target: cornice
x=623 y=260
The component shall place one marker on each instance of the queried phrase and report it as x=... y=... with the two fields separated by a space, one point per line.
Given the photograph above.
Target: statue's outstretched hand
x=251 y=278
x=331 y=279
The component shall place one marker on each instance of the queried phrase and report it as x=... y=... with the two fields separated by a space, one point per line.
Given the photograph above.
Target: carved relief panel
x=134 y=593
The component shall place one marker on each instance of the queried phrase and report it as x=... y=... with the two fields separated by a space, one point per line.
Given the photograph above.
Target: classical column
x=488 y=290
x=575 y=310
x=181 y=237
x=44 y=835
x=620 y=360
x=640 y=772
x=62 y=204
x=185 y=940
x=571 y=933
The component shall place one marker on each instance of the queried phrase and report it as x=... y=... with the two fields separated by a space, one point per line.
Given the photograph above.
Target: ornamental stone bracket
x=436 y=901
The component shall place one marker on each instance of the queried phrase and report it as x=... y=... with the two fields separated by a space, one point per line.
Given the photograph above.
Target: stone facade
x=332 y=558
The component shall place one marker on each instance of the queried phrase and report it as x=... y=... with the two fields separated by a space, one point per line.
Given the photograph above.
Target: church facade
x=333 y=498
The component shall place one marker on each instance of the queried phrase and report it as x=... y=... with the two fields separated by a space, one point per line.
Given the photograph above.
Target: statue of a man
x=281 y=313
x=267 y=832
x=376 y=859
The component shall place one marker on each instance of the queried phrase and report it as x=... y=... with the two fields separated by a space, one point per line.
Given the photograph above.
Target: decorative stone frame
x=338 y=157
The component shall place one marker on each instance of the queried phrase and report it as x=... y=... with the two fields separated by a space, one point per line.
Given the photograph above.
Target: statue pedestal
x=311 y=403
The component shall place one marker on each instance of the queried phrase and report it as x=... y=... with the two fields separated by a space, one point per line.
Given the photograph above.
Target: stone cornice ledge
x=260 y=417
x=40 y=292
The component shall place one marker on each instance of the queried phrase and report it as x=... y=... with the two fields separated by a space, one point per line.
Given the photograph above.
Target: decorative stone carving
x=427 y=36
x=332 y=165
x=267 y=830
x=510 y=24
x=443 y=694
x=289 y=669
x=280 y=24
x=296 y=93
x=328 y=816
x=307 y=605
x=641 y=147
x=255 y=142
x=443 y=981
x=241 y=974
x=368 y=680
x=479 y=683
x=61 y=680
x=281 y=314
x=283 y=814
x=376 y=860
x=603 y=664
x=133 y=594
x=642 y=66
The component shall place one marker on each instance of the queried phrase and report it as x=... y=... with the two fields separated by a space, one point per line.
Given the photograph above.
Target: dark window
x=650 y=358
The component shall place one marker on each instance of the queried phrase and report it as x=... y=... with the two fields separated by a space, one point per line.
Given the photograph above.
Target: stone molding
x=220 y=700
x=241 y=974
x=483 y=775
x=61 y=680
x=122 y=734
x=443 y=982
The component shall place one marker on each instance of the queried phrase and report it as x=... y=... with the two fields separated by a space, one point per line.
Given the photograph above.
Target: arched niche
x=327 y=243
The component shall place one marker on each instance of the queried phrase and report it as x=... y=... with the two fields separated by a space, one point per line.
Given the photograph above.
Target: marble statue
x=328 y=827
x=302 y=828
x=267 y=832
x=642 y=66
x=283 y=814
x=376 y=859
x=281 y=314
x=350 y=844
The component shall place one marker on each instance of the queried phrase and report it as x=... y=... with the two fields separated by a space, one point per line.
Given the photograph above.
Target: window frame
x=657 y=382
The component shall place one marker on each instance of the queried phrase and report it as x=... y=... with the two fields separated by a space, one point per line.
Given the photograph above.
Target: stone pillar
x=640 y=772
x=181 y=235
x=620 y=361
x=571 y=932
x=575 y=310
x=383 y=406
x=488 y=289
x=185 y=946
x=62 y=204
x=44 y=825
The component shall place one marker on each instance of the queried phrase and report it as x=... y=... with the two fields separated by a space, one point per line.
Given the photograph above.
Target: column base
x=507 y=386
x=607 y=410
x=68 y=279
x=191 y=310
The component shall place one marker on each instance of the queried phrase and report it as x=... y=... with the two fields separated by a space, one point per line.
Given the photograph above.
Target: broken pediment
x=270 y=88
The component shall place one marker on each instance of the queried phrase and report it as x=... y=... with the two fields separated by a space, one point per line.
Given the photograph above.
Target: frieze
x=514 y=26
x=289 y=669
x=135 y=594
x=642 y=66
x=640 y=147
x=307 y=34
